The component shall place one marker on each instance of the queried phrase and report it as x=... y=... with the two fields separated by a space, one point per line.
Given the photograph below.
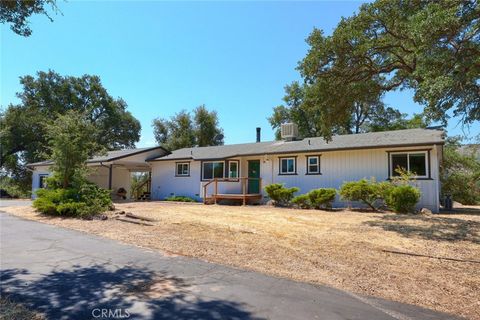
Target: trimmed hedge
x=280 y=195
x=402 y=198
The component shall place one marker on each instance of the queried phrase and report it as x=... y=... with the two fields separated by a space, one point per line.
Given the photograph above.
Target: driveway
x=72 y=275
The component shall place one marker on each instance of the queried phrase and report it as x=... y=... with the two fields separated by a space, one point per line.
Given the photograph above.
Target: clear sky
x=161 y=57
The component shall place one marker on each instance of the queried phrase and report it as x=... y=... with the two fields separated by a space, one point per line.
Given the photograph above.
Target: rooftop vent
x=289 y=131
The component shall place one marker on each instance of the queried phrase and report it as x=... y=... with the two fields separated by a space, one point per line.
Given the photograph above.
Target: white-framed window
x=288 y=165
x=212 y=169
x=182 y=169
x=313 y=164
x=42 y=182
x=415 y=162
x=233 y=169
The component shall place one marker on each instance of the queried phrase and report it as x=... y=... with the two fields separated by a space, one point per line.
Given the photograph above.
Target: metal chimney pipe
x=258 y=133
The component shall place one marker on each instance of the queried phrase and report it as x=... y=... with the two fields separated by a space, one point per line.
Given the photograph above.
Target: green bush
x=322 y=197
x=402 y=198
x=302 y=201
x=84 y=201
x=366 y=191
x=279 y=194
x=180 y=199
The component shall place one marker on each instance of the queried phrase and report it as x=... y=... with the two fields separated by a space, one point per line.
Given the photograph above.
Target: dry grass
x=342 y=249
x=10 y=310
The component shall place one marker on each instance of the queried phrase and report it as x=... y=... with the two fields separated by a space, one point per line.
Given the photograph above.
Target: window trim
x=280 y=173
x=307 y=169
x=211 y=161
x=176 y=169
x=428 y=171
x=40 y=176
x=228 y=170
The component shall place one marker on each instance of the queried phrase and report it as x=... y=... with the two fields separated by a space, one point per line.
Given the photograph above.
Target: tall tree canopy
x=17 y=12
x=304 y=106
x=24 y=127
x=431 y=47
x=183 y=131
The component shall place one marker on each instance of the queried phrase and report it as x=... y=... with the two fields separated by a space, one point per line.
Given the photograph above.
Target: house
x=111 y=171
x=239 y=171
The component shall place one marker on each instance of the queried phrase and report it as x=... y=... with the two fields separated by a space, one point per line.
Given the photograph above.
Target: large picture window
x=212 y=169
x=415 y=162
x=182 y=169
x=288 y=165
x=313 y=164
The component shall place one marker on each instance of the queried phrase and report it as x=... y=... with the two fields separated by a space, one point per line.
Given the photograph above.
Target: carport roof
x=386 y=139
x=110 y=156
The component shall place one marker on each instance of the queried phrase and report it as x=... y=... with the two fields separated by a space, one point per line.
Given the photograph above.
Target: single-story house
x=239 y=171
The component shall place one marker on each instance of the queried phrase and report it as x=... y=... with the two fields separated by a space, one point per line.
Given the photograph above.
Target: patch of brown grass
x=10 y=310
x=342 y=249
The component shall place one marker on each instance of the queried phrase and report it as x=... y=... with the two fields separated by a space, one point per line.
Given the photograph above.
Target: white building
x=240 y=171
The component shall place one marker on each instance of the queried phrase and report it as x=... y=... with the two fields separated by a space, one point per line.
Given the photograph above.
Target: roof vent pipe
x=259 y=130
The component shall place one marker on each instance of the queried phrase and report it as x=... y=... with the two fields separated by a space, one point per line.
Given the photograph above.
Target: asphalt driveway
x=68 y=274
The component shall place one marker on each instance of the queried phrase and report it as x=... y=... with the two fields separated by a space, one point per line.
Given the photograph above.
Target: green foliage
x=72 y=142
x=84 y=201
x=402 y=198
x=366 y=191
x=183 y=131
x=304 y=106
x=180 y=199
x=279 y=194
x=24 y=127
x=302 y=201
x=322 y=197
x=17 y=12
x=316 y=198
x=460 y=172
x=429 y=47
x=12 y=188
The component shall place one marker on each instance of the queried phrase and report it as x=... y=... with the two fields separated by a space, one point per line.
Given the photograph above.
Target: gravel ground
x=342 y=249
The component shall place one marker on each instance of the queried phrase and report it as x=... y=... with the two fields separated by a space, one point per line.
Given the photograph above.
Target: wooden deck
x=244 y=196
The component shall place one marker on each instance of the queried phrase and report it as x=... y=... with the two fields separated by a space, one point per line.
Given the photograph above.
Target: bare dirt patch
x=342 y=249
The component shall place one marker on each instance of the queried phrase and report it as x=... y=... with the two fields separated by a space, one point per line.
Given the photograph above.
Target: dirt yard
x=342 y=249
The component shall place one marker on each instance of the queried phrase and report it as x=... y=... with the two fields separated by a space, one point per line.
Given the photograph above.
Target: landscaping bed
x=361 y=252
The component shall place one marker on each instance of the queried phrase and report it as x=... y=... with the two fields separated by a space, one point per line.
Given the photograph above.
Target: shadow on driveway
x=126 y=293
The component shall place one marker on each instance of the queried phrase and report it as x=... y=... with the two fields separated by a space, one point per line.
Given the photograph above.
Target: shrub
x=180 y=199
x=322 y=197
x=302 y=201
x=366 y=191
x=85 y=201
x=402 y=198
x=279 y=194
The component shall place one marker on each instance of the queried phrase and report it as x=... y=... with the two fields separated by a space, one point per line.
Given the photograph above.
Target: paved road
x=72 y=275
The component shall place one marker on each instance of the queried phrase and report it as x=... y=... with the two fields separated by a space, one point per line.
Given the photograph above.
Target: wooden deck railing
x=138 y=189
x=244 y=195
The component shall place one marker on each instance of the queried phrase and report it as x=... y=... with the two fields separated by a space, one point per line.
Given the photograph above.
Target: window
x=233 y=169
x=183 y=169
x=313 y=165
x=214 y=169
x=42 y=183
x=288 y=166
x=415 y=162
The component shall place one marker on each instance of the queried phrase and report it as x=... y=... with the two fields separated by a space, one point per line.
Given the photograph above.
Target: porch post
x=110 y=169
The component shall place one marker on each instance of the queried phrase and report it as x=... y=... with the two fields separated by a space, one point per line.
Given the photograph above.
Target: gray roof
x=397 y=138
x=109 y=156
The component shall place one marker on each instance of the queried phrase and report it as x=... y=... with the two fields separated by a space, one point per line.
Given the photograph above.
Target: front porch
x=247 y=183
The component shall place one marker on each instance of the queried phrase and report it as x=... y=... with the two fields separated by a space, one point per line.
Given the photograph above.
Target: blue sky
x=161 y=57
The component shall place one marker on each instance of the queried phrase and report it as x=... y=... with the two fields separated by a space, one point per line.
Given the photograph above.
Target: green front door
x=253 y=172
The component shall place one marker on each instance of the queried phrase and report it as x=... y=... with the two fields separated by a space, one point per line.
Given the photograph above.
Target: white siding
x=336 y=168
x=36 y=178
